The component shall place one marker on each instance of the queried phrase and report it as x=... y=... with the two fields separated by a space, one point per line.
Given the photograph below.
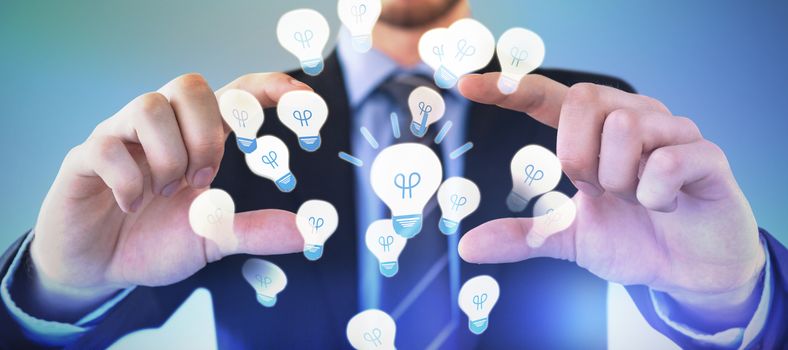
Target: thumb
x=506 y=240
x=259 y=232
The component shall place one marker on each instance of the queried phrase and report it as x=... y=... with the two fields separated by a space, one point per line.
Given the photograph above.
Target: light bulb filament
x=316 y=223
x=374 y=337
x=457 y=202
x=304 y=38
x=265 y=281
x=531 y=174
x=518 y=56
x=303 y=117
x=270 y=159
x=241 y=117
x=413 y=180
x=386 y=242
x=358 y=12
x=464 y=50
x=216 y=217
x=479 y=300
x=438 y=51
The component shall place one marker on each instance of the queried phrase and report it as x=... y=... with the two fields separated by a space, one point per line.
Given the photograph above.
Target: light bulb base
x=246 y=145
x=313 y=252
x=266 y=300
x=444 y=78
x=309 y=143
x=448 y=227
x=388 y=269
x=313 y=66
x=362 y=43
x=478 y=326
x=417 y=129
x=407 y=226
x=507 y=85
x=286 y=183
x=515 y=202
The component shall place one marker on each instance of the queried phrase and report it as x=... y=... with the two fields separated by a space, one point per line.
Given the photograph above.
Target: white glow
x=426 y=107
x=266 y=279
x=405 y=176
x=211 y=216
x=359 y=17
x=520 y=51
x=535 y=170
x=304 y=113
x=477 y=298
x=243 y=113
x=458 y=197
x=469 y=46
x=371 y=329
x=316 y=221
x=386 y=245
x=432 y=47
x=304 y=33
x=271 y=161
x=553 y=212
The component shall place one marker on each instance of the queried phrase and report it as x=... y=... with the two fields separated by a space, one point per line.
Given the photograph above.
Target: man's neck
x=402 y=44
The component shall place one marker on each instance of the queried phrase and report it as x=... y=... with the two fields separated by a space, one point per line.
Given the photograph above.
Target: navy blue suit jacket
x=545 y=303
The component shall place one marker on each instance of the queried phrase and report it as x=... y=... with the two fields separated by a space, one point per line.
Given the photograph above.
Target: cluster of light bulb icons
x=404 y=186
x=468 y=45
x=305 y=32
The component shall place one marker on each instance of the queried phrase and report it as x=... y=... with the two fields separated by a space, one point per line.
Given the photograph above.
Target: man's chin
x=415 y=14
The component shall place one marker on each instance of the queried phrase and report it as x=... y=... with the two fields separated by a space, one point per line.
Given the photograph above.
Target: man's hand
x=658 y=205
x=117 y=213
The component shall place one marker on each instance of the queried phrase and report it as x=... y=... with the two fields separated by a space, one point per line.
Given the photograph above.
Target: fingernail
x=587 y=188
x=297 y=83
x=170 y=189
x=203 y=177
x=136 y=205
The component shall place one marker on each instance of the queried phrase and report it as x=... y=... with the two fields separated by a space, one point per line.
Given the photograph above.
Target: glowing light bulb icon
x=211 y=216
x=304 y=113
x=405 y=176
x=359 y=17
x=432 y=47
x=243 y=113
x=476 y=298
x=371 y=329
x=271 y=161
x=304 y=33
x=426 y=107
x=267 y=280
x=458 y=197
x=553 y=212
x=520 y=51
x=386 y=245
x=469 y=46
x=535 y=170
x=316 y=221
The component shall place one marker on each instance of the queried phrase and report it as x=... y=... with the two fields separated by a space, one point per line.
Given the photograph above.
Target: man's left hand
x=658 y=204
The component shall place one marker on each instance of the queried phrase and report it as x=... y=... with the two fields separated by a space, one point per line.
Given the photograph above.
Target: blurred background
x=66 y=65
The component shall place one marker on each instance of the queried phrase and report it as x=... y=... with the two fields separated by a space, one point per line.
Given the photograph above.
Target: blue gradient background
x=65 y=66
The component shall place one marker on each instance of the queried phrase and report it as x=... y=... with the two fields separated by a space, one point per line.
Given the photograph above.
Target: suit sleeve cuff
x=46 y=332
x=733 y=338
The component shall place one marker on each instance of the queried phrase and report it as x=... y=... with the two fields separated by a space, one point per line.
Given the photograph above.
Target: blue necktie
x=418 y=297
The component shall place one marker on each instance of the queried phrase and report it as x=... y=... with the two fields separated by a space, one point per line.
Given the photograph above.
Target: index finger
x=538 y=96
x=266 y=87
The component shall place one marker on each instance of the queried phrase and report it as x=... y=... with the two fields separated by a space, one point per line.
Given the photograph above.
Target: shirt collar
x=363 y=72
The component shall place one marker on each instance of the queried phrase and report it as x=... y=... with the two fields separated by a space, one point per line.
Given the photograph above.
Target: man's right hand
x=117 y=213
